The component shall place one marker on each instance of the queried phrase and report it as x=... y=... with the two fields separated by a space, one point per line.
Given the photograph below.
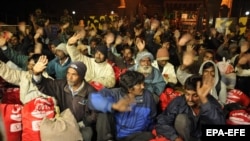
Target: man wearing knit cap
x=154 y=81
x=59 y=65
x=71 y=92
x=167 y=69
x=98 y=69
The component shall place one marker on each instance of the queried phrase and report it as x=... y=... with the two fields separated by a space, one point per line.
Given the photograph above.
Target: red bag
x=98 y=86
x=12 y=119
x=239 y=117
x=32 y=114
x=237 y=96
x=11 y=96
x=157 y=137
x=118 y=71
x=167 y=96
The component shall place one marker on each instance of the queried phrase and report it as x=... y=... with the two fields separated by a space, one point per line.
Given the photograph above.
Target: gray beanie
x=142 y=55
x=80 y=67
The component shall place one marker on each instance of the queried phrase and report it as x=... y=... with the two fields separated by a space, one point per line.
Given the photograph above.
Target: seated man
x=166 y=68
x=184 y=116
x=98 y=69
x=71 y=92
x=154 y=81
x=132 y=107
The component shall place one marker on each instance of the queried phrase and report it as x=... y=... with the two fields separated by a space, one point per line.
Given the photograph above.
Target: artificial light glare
x=247 y=13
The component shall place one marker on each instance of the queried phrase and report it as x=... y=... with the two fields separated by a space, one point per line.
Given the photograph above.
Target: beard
x=145 y=70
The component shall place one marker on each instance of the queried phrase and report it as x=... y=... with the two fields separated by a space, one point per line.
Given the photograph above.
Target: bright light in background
x=247 y=13
x=73 y=12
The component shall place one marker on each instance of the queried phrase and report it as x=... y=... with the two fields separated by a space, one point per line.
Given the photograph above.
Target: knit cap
x=142 y=55
x=103 y=49
x=162 y=54
x=62 y=47
x=80 y=67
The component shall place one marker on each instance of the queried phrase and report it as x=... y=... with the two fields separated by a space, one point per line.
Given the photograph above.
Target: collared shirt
x=76 y=91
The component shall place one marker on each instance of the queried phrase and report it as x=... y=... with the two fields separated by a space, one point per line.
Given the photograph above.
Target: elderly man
x=154 y=81
x=98 y=69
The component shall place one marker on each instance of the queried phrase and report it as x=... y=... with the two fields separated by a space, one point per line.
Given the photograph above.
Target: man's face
x=137 y=89
x=209 y=72
x=208 y=56
x=60 y=54
x=145 y=66
x=127 y=54
x=73 y=78
x=192 y=98
x=14 y=41
x=30 y=65
x=99 y=57
x=162 y=63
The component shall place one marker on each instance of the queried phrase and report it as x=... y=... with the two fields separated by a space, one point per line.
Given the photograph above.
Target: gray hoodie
x=221 y=93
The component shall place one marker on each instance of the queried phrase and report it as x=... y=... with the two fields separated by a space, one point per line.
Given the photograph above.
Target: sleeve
x=165 y=121
x=10 y=75
x=182 y=75
x=158 y=83
x=101 y=101
x=19 y=59
x=47 y=86
x=75 y=55
x=212 y=113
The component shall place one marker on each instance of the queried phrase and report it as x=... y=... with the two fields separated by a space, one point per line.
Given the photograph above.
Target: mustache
x=145 y=69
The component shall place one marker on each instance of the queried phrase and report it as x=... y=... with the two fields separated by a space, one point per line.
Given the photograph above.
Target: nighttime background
x=17 y=10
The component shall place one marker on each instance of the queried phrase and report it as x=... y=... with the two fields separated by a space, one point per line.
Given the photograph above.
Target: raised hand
x=79 y=35
x=40 y=65
x=140 y=44
x=204 y=88
x=124 y=104
x=184 y=39
x=188 y=59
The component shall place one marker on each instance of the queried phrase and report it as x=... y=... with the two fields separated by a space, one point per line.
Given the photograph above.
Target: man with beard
x=126 y=60
x=184 y=116
x=71 y=93
x=98 y=69
x=154 y=81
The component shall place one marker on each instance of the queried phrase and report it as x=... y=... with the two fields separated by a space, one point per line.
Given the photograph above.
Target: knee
x=182 y=120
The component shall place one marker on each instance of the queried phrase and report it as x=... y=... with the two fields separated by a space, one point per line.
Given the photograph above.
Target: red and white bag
x=32 y=114
x=239 y=117
x=237 y=96
x=12 y=119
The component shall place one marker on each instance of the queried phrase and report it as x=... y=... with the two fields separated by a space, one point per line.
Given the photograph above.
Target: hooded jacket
x=219 y=91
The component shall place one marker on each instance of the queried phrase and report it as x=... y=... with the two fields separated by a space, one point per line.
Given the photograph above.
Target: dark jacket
x=77 y=104
x=140 y=118
x=210 y=113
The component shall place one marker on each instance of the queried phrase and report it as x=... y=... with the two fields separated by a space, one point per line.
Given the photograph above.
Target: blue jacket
x=140 y=118
x=210 y=113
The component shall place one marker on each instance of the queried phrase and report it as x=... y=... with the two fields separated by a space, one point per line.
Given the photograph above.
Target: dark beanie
x=80 y=67
x=103 y=49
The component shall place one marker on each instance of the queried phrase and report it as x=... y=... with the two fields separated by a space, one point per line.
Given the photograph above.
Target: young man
x=131 y=105
x=98 y=69
x=71 y=93
x=184 y=116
